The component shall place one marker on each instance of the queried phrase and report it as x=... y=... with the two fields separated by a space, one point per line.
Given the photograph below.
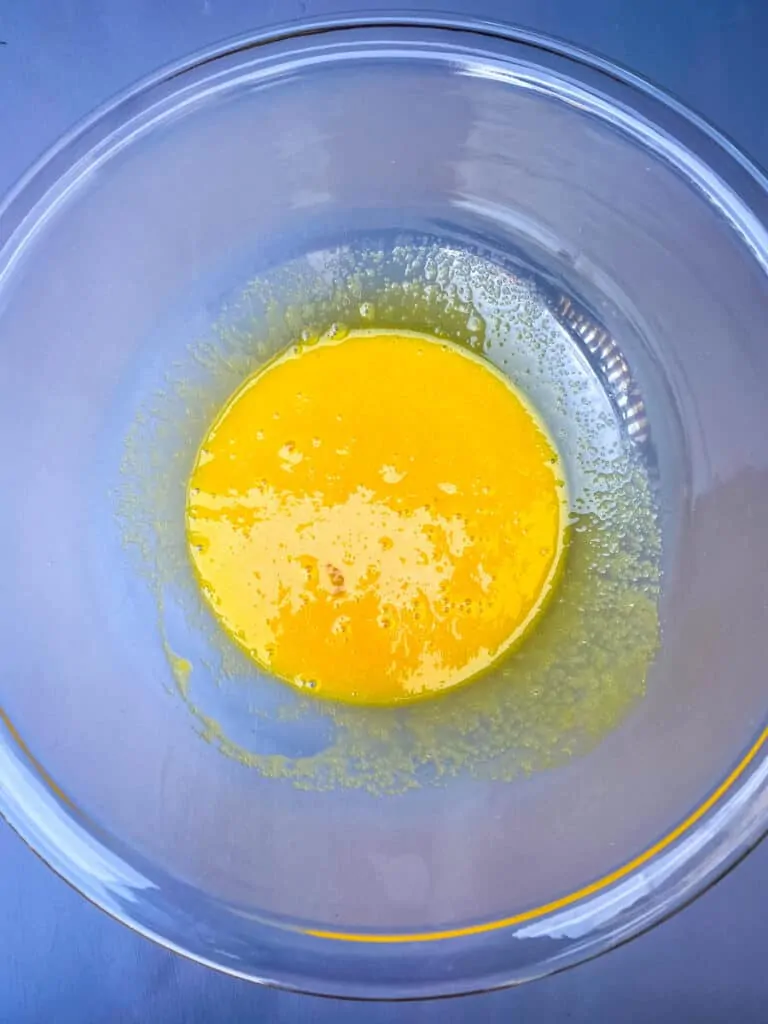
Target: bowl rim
x=742 y=794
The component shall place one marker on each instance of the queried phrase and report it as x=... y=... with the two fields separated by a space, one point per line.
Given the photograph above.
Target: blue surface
x=64 y=961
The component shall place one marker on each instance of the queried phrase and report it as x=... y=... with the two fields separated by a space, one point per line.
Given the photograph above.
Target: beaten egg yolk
x=376 y=519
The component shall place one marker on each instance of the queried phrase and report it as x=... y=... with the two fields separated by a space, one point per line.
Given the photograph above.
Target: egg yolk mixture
x=376 y=519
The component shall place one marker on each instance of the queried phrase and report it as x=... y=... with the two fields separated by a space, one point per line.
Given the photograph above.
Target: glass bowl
x=174 y=240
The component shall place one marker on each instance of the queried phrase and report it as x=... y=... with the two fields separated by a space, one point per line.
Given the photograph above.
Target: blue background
x=61 y=960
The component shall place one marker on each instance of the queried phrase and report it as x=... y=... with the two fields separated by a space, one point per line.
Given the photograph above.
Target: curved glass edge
x=74 y=154
x=299 y=28
x=45 y=819
x=593 y=925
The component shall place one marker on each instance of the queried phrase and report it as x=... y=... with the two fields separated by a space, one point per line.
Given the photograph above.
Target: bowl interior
x=534 y=217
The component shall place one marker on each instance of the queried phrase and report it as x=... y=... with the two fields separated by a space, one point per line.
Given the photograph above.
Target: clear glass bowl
x=640 y=234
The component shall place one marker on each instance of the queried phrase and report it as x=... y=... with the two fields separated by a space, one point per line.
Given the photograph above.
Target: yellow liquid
x=376 y=519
